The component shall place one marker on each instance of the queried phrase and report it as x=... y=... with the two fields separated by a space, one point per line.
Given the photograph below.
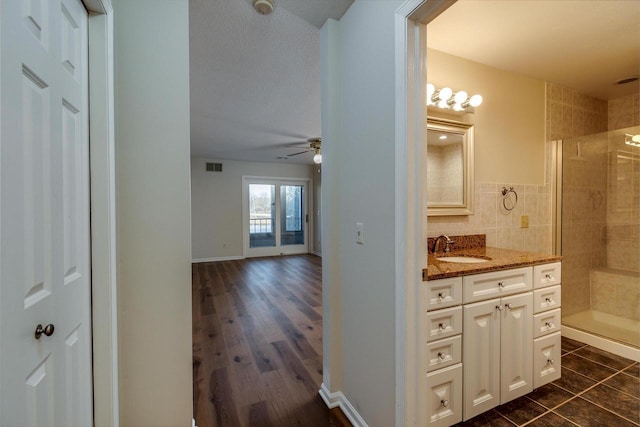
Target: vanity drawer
x=478 y=287
x=547 y=275
x=444 y=323
x=444 y=396
x=443 y=353
x=546 y=323
x=546 y=359
x=443 y=293
x=546 y=298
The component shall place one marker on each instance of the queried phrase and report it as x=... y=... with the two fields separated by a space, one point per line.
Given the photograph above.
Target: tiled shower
x=600 y=221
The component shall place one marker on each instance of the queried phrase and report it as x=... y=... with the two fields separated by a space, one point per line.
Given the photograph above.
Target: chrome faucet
x=447 y=244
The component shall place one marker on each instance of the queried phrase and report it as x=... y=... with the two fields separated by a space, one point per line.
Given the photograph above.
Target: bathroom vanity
x=492 y=329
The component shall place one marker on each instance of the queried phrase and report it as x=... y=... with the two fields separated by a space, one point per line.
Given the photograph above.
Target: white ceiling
x=255 y=80
x=587 y=45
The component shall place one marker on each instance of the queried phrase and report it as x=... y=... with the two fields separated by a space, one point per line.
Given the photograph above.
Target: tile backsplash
x=502 y=227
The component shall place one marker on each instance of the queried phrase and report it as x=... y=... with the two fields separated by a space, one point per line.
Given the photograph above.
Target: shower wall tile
x=624 y=112
x=571 y=113
x=616 y=292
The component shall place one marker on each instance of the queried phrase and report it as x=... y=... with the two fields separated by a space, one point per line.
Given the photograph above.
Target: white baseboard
x=316 y=254
x=220 y=258
x=338 y=399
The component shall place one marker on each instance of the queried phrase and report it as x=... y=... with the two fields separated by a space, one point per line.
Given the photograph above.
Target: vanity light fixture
x=446 y=99
x=442 y=137
x=633 y=140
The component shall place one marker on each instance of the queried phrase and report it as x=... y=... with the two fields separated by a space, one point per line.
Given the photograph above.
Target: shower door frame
x=556 y=200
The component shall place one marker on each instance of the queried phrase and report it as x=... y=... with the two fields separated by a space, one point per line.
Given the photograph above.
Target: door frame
x=103 y=213
x=411 y=207
x=246 y=180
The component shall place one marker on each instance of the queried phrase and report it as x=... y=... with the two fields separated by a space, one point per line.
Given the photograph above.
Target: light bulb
x=445 y=93
x=460 y=97
x=475 y=100
x=442 y=137
x=457 y=107
x=442 y=103
x=636 y=138
x=317 y=158
x=430 y=91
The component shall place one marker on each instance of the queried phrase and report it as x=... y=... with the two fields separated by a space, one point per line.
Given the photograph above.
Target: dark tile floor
x=597 y=389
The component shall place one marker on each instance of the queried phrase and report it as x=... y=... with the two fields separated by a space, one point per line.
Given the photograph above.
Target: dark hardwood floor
x=257 y=342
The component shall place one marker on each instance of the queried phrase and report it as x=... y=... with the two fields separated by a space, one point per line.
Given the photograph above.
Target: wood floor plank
x=259 y=415
x=295 y=337
x=257 y=342
x=294 y=368
x=222 y=399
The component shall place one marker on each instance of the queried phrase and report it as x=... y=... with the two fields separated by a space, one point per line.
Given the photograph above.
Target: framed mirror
x=449 y=167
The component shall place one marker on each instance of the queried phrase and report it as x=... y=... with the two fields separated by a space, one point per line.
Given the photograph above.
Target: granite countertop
x=500 y=259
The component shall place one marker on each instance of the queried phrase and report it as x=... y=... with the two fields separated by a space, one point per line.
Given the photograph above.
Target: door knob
x=47 y=330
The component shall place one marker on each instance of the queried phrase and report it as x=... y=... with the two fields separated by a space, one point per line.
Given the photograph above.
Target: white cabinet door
x=516 y=346
x=444 y=396
x=481 y=360
x=546 y=364
x=44 y=229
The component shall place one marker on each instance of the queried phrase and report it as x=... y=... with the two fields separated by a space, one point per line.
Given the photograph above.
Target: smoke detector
x=263 y=7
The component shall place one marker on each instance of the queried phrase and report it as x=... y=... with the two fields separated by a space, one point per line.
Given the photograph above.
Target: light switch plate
x=524 y=221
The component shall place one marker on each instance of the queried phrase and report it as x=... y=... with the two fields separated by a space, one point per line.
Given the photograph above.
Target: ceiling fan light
x=317 y=158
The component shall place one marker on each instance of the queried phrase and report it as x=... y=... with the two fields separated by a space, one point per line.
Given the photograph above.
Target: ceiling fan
x=314 y=145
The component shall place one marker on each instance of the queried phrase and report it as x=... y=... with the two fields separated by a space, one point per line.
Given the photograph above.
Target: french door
x=275 y=219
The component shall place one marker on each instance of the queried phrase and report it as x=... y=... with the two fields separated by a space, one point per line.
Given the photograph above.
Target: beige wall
x=509 y=125
x=153 y=212
x=510 y=150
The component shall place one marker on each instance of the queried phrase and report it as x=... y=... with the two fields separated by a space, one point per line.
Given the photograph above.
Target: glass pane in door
x=262 y=214
x=292 y=215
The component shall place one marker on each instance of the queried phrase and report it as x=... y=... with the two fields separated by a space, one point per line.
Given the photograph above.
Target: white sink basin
x=462 y=259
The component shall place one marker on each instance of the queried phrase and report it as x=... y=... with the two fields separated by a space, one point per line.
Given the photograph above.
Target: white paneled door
x=45 y=371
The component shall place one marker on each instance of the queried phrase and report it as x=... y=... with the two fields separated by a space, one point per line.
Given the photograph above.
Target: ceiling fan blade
x=295 y=154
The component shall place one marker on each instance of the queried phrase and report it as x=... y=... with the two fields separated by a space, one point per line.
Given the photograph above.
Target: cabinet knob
x=442 y=355
x=549 y=361
x=444 y=403
x=508 y=305
x=548 y=299
x=499 y=307
x=547 y=276
x=501 y=284
x=442 y=326
x=548 y=325
x=440 y=295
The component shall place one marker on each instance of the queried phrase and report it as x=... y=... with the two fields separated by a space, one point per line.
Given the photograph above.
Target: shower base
x=606 y=327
